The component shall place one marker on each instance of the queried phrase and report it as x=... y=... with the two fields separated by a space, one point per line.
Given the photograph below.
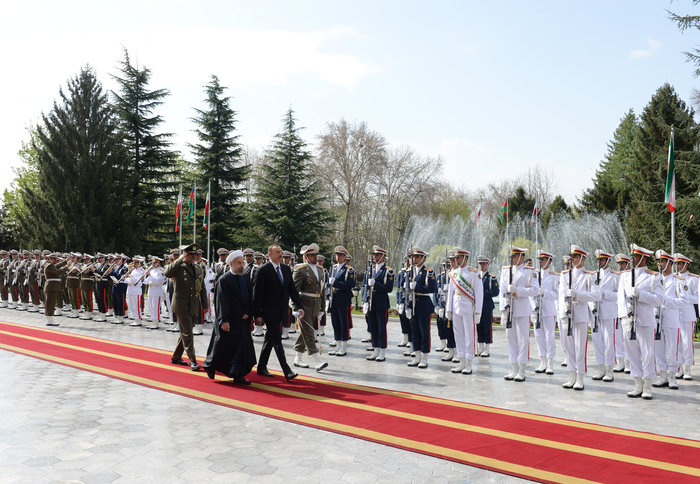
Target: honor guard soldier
x=341 y=281
x=464 y=301
x=154 y=280
x=23 y=280
x=134 y=290
x=42 y=264
x=12 y=279
x=4 y=263
x=668 y=325
x=73 y=284
x=380 y=283
x=577 y=288
x=484 y=328
x=221 y=267
x=111 y=261
x=248 y=255
x=604 y=315
x=308 y=280
x=33 y=281
x=545 y=304
x=422 y=285
x=622 y=363
x=322 y=315
x=444 y=325
x=101 y=286
x=287 y=318
x=87 y=286
x=640 y=290
x=248 y=273
x=452 y=265
x=401 y=291
x=518 y=285
x=52 y=285
x=688 y=317
x=119 y=288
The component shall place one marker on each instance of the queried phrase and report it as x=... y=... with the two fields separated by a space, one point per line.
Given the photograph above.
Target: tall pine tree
x=219 y=160
x=649 y=222
x=288 y=207
x=82 y=202
x=152 y=163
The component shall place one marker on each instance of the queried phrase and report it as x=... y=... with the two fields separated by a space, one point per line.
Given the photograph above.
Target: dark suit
x=270 y=300
x=484 y=326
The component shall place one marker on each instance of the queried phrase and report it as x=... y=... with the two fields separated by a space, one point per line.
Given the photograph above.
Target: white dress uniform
x=666 y=348
x=604 y=339
x=154 y=281
x=133 y=295
x=650 y=293
x=623 y=363
x=523 y=278
x=586 y=291
x=687 y=314
x=462 y=302
x=209 y=277
x=545 y=336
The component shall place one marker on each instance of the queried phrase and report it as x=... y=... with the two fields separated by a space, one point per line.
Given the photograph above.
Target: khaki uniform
x=310 y=287
x=87 y=288
x=4 y=265
x=73 y=286
x=52 y=285
x=33 y=281
x=188 y=283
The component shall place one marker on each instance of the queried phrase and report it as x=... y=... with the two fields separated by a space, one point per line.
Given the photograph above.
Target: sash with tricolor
x=461 y=283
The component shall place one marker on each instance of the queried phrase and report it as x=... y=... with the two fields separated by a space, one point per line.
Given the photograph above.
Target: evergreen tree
x=649 y=222
x=219 y=160
x=288 y=207
x=152 y=163
x=520 y=203
x=611 y=185
x=557 y=205
x=82 y=201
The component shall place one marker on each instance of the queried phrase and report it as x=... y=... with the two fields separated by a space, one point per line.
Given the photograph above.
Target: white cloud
x=653 y=47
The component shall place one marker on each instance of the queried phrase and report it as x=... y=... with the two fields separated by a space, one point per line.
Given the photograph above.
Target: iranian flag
x=504 y=211
x=534 y=213
x=478 y=214
x=671 y=178
x=190 y=206
x=177 y=211
x=206 y=212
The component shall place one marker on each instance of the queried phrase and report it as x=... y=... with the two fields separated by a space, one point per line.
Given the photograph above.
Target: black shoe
x=211 y=372
x=240 y=380
x=264 y=372
x=291 y=376
x=194 y=366
x=178 y=362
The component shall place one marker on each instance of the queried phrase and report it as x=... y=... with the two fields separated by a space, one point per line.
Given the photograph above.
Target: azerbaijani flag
x=206 y=212
x=190 y=206
x=177 y=210
x=534 y=213
x=504 y=211
x=671 y=178
x=478 y=214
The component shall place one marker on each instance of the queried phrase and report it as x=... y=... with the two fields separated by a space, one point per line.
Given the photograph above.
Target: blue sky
x=491 y=86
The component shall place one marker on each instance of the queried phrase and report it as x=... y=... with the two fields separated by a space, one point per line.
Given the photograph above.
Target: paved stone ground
x=59 y=424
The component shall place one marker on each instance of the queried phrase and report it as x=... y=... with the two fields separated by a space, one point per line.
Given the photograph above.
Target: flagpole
x=673 y=213
x=536 y=241
x=180 y=226
x=209 y=224
x=194 y=233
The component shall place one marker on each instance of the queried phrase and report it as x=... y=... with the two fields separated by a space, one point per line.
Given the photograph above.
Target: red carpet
x=532 y=446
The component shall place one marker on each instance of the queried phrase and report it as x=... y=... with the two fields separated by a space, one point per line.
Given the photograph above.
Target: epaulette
x=626 y=270
x=565 y=271
x=649 y=271
x=302 y=265
x=390 y=269
x=615 y=272
x=589 y=272
x=506 y=267
x=555 y=273
x=473 y=269
x=678 y=276
x=694 y=275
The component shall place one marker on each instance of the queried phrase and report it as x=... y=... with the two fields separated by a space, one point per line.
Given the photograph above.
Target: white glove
x=448 y=314
x=331 y=280
x=571 y=293
x=412 y=285
x=541 y=291
x=365 y=308
x=409 y=313
x=400 y=308
x=328 y=306
x=441 y=291
x=370 y=282
x=290 y=303
x=441 y=312
x=295 y=314
x=477 y=317
x=635 y=292
x=512 y=289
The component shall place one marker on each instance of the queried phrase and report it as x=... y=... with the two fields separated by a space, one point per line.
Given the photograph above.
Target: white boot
x=572 y=380
x=343 y=350
x=627 y=366
x=521 y=373
x=608 y=373
x=672 y=384
x=298 y=361
x=485 y=352
x=513 y=372
x=382 y=355
x=367 y=339
x=258 y=331
x=600 y=374
x=443 y=345
x=408 y=349
x=33 y=309
x=285 y=334
x=3 y=304
x=334 y=351
x=620 y=366
x=550 y=366
x=662 y=381
x=468 y=369
x=100 y=318
x=638 y=387
x=320 y=365
x=423 y=360
x=415 y=360
x=22 y=307
x=450 y=354
x=543 y=365
x=462 y=365
x=405 y=341
x=86 y=316
x=137 y=322
x=373 y=356
x=686 y=372
x=50 y=321
x=578 y=385
x=479 y=349
x=110 y=313
x=646 y=390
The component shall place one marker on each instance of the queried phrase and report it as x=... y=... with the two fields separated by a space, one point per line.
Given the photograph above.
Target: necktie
x=279 y=273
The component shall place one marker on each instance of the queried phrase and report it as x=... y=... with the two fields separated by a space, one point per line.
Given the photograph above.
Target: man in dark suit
x=272 y=289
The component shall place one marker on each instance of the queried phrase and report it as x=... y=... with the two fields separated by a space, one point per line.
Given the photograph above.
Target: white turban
x=234 y=255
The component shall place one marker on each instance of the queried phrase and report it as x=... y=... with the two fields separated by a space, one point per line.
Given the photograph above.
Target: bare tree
x=541 y=183
x=254 y=159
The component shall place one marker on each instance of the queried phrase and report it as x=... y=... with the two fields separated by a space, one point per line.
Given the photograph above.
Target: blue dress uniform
x=425 y=287
x=484 y=328
x=401 y=286
x=119 y=293
x=378 y=314
x=341 y=303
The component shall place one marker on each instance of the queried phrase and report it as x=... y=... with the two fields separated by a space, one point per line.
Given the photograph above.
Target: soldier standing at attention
x=379 y=284
x=324 y=278
x=422 y=285
x=308 y=279
x=484 y=328
x=686 y=351
x=87 y=286
x=4 y=263
x=52 y=285
x=341 y=281
x=188 y=282
x=604 y=337
x=154 y=281
x=33 y=281
x=545 y=303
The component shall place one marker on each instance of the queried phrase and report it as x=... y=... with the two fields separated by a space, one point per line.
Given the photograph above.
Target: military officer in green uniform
x=87 y=287
x=308 y=279
x=188 y=283
x=4 y=265
x=52 y=285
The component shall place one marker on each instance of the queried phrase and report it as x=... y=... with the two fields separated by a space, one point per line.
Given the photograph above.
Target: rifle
x=569 y=300
x=509 y=297
x=370 y=274
x=538 y=309
x=633 y=307
x=596 y=308
x=330 y=290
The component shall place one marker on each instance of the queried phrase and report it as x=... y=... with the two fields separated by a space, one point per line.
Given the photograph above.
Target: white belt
x=310 y=294
x=53 y=280
x=425 y=295
x=73 y=277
